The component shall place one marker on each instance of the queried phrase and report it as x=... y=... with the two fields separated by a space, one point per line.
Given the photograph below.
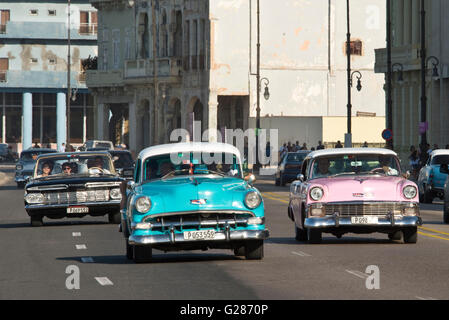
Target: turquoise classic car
x=190 y=196
x=431 y=180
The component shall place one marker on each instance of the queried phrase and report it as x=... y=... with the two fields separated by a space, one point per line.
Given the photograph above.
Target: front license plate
x=199 y=235
x=364 y=220
x=78 y=210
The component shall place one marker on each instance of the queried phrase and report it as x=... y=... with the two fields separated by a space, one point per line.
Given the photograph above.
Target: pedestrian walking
x=62 y=147
x=338 y=145
x=320 y=146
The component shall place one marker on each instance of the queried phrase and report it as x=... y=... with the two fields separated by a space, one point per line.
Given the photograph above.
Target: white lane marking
x=104 y=281
x=301 y=254
x=87 y=259
x=358 y=274
x=76 y=234
x=80 y=247
x=428 y=298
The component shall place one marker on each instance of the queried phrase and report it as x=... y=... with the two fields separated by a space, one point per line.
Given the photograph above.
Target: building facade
x=406 y=92
x=164 y=63
x=34 y=71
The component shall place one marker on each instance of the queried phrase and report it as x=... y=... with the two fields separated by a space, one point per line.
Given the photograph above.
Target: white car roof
x=339 y=151
x=206 y=147
x=439 y=152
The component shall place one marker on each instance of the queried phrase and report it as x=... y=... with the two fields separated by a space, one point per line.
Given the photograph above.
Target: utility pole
x=389 y=76
x=69 y=89
x=257 y=166
x=423 y=82
x=348 y=54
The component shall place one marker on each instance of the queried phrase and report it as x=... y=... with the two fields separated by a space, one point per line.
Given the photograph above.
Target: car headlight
x=316 y=193
x=34 y=198
x=256 y=220
x=409 y=192
x=116 y=194
x=19 y=167
x=143 y=204
x=252 y=200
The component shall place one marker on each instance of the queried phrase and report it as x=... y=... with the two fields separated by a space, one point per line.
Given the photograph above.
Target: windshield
x=31 y=156
x=185 y=164
x=296 y=157
x=441 y=159
x=122 y=160
x=74 y=164
x=355 y=164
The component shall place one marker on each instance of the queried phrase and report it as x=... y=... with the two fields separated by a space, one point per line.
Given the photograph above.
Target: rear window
x=441 y=159
x=122 y=160
x=296 y=157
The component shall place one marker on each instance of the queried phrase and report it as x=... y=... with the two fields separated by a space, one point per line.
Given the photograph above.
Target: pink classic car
x=354 y=190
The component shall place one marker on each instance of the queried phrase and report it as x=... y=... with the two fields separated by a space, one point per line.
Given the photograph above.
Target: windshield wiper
x=174 y=172
x=342 y=174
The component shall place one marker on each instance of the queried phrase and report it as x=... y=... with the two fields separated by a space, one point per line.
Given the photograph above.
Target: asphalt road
x=39 y=263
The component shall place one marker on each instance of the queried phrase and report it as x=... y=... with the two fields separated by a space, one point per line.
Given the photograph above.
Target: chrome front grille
x=76 y=197
x=198 y=221
x=364 y=209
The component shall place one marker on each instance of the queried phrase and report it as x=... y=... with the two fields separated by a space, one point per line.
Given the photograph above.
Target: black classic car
x=123 y=163
x=73 y=185
x=25 y=165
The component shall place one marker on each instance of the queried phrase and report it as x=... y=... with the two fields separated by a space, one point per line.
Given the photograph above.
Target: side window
x=137 y=171
x=304 y=166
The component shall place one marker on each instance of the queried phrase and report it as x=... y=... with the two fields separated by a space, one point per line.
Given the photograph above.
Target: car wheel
x=411 y=235
x=281 y=180
x=129 y=250
x=300 y=234
x=396 y=236
x=239 y=252
x=314 y=236
x=254 y=250
x=445 y=213
x=36 y=221
x=114 y=218
x=142 y=254
x=277 y=182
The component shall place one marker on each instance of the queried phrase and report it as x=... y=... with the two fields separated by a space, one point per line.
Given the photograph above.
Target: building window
x=33 y=60
x=356 y=47
x=4 y=66
x=52 y=12
x=4 y=18
x=52 y=60
x=88 y=23
x=33 y=12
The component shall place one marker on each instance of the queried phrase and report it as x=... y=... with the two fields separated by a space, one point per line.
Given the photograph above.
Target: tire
x=254 y=250
x=396 y=236
x=129 y=251
x=277 y=182
x=239 y=252
x=411 y=235
x=300 y=234
x=445 y=213
x=36 y=221
x=114 y=218
x=314 y=236
x=281 y=180
x=142 y=254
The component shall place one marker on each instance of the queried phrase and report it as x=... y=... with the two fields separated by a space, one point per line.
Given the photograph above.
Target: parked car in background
x=357 y=190
x=431 y=180
x=97 y=144
x=25 y=165
x=289 y=167
x=191 y=196
x=6 y=153
x=123 y=163
x=73 y=185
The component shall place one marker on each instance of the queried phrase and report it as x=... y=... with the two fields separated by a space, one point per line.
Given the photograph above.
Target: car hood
x=195 y=193
x=76 y=181
x=363 y=188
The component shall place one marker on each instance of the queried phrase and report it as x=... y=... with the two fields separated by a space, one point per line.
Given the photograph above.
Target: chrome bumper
x=173 y=238
x=66 y=205
x=335 y=222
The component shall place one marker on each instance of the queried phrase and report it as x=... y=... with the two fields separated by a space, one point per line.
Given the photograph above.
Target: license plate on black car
x=78 y=210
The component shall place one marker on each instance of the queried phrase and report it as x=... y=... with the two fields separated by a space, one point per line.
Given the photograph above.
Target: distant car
x=123 y=163
x=431 y=180
x=357 y=190
x=289 y=167
x=5 y=152
x=97 y=144
x=25 y=165
x=182 y=198
x=73 y=184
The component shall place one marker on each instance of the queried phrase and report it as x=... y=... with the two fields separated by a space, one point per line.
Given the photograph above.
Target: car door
x=298 y=195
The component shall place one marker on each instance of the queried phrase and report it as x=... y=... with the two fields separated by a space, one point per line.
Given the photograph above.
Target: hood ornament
x=198 y=201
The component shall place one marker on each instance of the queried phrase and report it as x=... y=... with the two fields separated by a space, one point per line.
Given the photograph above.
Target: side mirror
x=250 y=178
x=444 y=168
x=300 y=177
x=130 y=184
x=406 y=175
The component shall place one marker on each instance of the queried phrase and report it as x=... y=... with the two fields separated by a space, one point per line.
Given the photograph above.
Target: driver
x=385 y=164
x=67 y=168
x=47 y=167
x=322 y=169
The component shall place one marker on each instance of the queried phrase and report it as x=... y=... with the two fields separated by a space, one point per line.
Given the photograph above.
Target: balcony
x=88 y=29
x=100 y=78
x=144 y=68
x=409 y=56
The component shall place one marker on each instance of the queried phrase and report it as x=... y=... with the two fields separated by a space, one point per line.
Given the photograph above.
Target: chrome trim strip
x=49 y=188
x=166 y=214
x=66 y=205
x=179 y=237
x=102 y=184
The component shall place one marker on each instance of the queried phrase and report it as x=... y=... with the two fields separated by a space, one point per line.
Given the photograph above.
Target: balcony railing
x=144 y=68
x=88 y=29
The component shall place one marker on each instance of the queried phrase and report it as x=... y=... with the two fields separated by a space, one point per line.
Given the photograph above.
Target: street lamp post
x=69 y=89
x=389 y=75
